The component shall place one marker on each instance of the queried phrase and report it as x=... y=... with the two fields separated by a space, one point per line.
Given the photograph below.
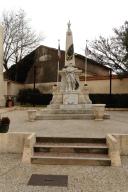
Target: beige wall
x=13 y=88
x=103 y=86
x=95 y=86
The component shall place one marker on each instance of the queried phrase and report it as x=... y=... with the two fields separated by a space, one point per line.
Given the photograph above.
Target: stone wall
x=12 y=142
x=123 y=143
x=118 y=146
x=21 y=143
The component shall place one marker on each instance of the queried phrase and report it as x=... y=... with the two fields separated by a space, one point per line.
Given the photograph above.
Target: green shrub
x=5 y=120
x=33 y=96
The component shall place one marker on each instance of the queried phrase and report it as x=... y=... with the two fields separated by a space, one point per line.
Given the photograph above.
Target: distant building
x=45 y=60
x=42 y=64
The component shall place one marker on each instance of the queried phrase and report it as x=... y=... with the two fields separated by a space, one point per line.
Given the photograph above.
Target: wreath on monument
x=69 y=54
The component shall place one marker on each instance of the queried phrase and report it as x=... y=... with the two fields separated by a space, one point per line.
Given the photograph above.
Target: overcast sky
x=89 y=18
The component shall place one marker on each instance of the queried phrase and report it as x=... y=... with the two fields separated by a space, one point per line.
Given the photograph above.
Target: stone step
x=79 y=145
x=71 y=149
x=69 y=159
x=64 y=116
x=70 y=140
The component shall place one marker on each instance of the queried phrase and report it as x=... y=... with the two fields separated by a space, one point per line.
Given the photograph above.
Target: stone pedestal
x=99 y=110
x=57 y=98
x=31 y=115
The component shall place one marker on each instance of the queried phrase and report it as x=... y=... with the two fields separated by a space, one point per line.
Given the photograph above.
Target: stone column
x=2 y=84
x=69 y=53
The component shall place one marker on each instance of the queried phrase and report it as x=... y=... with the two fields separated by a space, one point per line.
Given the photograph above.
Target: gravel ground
x=14 y=176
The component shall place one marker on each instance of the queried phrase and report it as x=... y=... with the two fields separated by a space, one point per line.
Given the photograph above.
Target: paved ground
x=79 y=128
x=14 y=175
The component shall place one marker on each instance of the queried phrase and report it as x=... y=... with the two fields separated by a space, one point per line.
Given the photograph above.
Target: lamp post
x=34 y=84
x=110 y=75
x=110 y=86
x=34 y=75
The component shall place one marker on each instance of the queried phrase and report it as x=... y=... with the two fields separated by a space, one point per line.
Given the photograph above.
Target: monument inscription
x=70 y=98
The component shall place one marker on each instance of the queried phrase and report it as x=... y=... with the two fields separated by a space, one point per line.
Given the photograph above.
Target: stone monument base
x=69 y=105
x=67 y=115
x=76 y=107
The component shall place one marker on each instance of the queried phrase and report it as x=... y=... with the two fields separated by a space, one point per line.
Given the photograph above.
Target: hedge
x=114 y=100
x=33 y=96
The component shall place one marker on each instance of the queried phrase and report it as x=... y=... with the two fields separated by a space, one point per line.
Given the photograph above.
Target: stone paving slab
x=118 y=123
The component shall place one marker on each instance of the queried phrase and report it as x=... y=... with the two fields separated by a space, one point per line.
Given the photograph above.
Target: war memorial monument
x=70 y=96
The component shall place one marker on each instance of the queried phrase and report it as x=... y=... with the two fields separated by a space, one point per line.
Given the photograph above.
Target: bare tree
x=19 y=39
x=112 y=51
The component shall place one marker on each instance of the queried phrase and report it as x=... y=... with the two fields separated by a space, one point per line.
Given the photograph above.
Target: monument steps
x=67 y=111
x=67 y=116
x=70 y=151
x=64 y=116
x=65 y=140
